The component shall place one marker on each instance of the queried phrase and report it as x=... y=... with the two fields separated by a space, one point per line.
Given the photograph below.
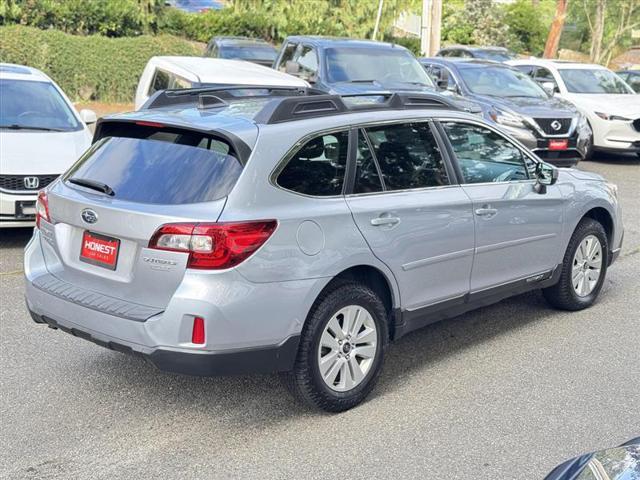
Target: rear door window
x=368 y=178
x=168 y=167
x=318 y=167
x=408 y=156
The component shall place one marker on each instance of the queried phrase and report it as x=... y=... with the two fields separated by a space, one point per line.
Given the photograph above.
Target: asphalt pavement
x=505 y=392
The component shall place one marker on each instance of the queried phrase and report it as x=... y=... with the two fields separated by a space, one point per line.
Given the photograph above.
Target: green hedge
x=92 y=67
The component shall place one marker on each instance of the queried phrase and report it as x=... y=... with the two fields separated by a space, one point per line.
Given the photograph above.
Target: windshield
x=581 y=80
x=166 y=167
x=257 y=52
x=500 y=82
x=29 y=105
x=390 y=65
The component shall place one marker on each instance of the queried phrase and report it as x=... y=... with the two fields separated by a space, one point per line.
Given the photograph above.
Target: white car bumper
x=616 y=135
x=17 y=210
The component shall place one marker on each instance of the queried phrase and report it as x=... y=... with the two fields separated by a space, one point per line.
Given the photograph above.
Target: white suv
x=610 y=105
x=41 y=135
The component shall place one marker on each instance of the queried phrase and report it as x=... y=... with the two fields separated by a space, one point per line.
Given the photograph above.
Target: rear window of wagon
x=167 y=166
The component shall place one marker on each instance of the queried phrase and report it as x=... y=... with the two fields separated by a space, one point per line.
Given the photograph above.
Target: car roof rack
x=301 y=107
x=223 y=93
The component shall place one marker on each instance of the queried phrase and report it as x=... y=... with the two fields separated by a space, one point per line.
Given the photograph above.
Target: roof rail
x=172 y=97
x=300 y=107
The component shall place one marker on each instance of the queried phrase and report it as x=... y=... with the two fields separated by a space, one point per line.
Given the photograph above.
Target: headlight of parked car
x=582 y=122
x=606 y=116
x=507 y=119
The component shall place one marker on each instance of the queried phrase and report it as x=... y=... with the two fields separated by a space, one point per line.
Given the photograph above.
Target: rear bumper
x=277 y=358
x=250 y=327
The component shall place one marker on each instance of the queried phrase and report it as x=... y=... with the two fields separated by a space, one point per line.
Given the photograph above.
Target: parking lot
x=507 y=391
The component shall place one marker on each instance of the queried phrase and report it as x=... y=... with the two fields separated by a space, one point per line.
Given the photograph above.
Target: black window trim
x=441 y=119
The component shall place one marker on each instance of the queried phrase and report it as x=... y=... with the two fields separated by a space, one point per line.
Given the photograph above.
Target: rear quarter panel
x=316 y=237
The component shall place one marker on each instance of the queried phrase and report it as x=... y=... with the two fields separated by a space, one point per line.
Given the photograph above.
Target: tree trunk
x=553 y=40
x=598 y=31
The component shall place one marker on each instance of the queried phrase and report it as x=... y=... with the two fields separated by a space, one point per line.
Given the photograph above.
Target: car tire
x=588 y=154
x=578 y=287
x=313 y=379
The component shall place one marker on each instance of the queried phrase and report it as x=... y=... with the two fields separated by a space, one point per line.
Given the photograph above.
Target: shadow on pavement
x=257 y=400
x=15 y=237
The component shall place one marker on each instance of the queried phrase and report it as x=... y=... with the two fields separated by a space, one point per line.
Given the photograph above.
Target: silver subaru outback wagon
x=274 y=230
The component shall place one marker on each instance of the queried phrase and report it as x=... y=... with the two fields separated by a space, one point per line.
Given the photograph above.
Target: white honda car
x=610 y=105
x=41 y=136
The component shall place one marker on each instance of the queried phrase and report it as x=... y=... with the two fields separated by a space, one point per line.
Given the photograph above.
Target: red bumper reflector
x=197 y=335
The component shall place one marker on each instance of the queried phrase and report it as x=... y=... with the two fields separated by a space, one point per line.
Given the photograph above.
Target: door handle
x=486 y=211
x=381 y=221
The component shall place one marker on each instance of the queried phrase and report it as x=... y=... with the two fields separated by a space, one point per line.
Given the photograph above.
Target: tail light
x=213 y=246
x=42 y=208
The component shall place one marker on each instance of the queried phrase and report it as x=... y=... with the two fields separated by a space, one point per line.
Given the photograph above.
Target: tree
x=602 y=27
x=553 y=40
x=597 y=28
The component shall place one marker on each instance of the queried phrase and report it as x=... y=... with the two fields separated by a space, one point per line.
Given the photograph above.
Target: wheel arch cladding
x=373 y=278
x=604 y=218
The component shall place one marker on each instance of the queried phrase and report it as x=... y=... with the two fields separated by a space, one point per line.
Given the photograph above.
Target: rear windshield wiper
x=94 y=185
x=15 y=126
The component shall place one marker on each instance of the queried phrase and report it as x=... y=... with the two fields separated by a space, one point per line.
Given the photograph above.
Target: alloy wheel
x=587 y=265
x=347 y=348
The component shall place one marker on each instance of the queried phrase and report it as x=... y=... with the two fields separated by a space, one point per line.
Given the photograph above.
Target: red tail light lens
x=42 y=208
x=214 y=246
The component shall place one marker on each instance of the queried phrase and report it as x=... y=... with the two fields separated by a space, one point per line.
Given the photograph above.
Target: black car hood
x=552 y=107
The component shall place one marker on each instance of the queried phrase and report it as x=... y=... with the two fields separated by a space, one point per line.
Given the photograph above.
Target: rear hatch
x=106 y=208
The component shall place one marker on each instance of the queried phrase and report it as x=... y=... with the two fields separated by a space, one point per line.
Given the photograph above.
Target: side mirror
x=545 y=175
x=442 y=84
x=292 y=68
x=453 y=88
x=549 y=87
x=88 y=116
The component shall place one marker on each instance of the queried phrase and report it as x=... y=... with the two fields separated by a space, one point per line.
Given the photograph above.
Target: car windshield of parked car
x=582 y=80
x=29 y=105
x=500 y=82
x=257 y=52
x=384 y=65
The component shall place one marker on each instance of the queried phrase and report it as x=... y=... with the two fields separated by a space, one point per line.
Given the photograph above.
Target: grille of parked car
x=554 y=126
x=21 y=183
x=636 y=124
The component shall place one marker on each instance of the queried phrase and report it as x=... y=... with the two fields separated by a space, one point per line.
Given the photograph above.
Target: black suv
x=347 y=67
x=242 y=48
x=551 y=127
